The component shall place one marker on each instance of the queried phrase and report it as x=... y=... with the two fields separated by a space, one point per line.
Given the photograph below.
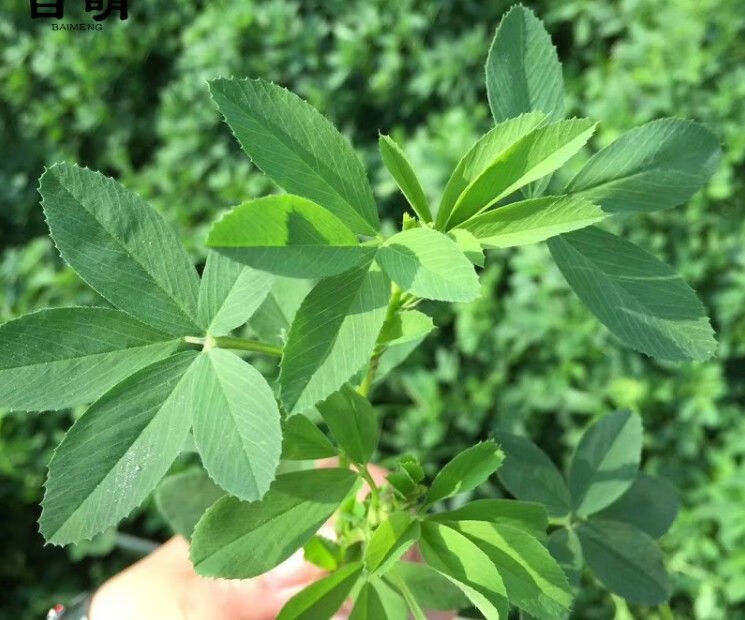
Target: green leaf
x=62 y=357
x=392 y=538
x=532 y=157
x=353 y=423
x=411 y=602
x=605 y=462
x=650 y=504
x=229 y=294
x=533 y=220
x=322 y=552
x=533 y=579
x=399 y=166
x=289 y=236
x=322 y=599
x=530 y=475
x=656 y=166
x=271 y=322
x=431 y=589
x=333 y=336
x=429 y=264
x=626 y=560
x=183 y=498
x=469 y=245
x=528 y=516
x=302 y=440
x=117 y=451
x=121 y=247
x=298 y=148
x=523 y=72
x=488 y=149
x=236 y=424
x=237 y=540
x=378 y=601
x=639 y=299
x=466 y=471
x=567 y=551
x=405 y=327
x=458 y=558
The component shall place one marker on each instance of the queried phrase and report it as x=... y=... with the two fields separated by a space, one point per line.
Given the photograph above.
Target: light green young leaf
x=237 y=540
x=656 y=166
x=533 y=579
x=378 y=601
x=353 y=423
x=605 y=462
x=488 y=149
x=271 y=322
x=530 y=475
x=429 y=264
x=523 y=72
x=405 y=327
x=528 y=516
x=650 y=504
x=323 y=552
x=289 y=236
x=322 y=599
x=115 y=454
x=229 y=293
x=298 y=148
x=565 y=548
x=532 y=220
x=431 y=589
x=466 y=471
x=639 y=299
x=459 y=559
x=62 y=357
x=183 y=498
x=390 y=541
x=469 y=245
x=398 y=165
x=302 y=440
x=236 y=424
x=534 y=156
x=121 y=247
x=626 y=560
x=333 y=336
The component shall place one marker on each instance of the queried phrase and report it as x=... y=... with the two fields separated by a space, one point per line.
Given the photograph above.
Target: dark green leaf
x=656 y=166
x=650 y=504
x=303 y=440
x=183 y=498
x=353 y=423
x=638 y=298
x=237 y=540
x=62 y=357
x=322 y=599
x=530 y=475
x=298 y=148
x=605 y=462
x=121 y=247
x=626 y=560
x=567 y=551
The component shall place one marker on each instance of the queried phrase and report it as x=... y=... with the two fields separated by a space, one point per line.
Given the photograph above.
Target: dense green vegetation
x=133 y=103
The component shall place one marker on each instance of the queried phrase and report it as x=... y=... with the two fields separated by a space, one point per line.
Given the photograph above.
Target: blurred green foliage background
x=132 y=102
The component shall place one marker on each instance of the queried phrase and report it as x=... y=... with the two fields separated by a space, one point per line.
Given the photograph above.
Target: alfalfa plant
x=165 y=369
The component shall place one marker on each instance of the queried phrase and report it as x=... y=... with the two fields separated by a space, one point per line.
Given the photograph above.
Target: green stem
x=230 y=342
x=374 y=491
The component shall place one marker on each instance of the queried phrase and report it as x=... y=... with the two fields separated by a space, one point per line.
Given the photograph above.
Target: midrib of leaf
x=309 y=160
x=628 y=560
x=244 y=455
x=83 y=503
x=177 y=302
